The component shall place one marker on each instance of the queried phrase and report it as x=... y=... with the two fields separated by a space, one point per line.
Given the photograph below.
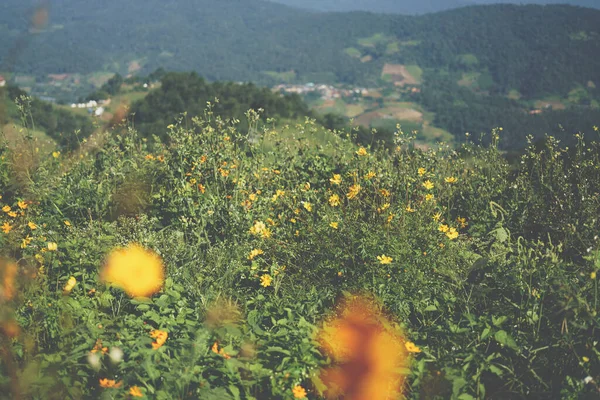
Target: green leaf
x=505 y=339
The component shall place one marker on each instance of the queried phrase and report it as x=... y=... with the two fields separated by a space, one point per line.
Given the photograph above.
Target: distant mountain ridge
x=411 y=7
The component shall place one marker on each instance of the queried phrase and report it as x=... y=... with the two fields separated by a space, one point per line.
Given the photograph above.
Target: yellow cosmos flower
x=52 y=246
x=334 y=200
x=361 y=152
x=462 y=222
x=450 y=179
x=421 y=171
x=6 y=209
x=12 y=214
x=437 y=216
x=429 y=197
x=70 y=285
x=299 y=392
x=307 y=206
x=443 y=228
x=334 y=225
x=255 y=253
x=384 y=192
x=25 y=242
x=383 y=259
x=32 y=226
x=266 y=280
x=428 y=185
x=370 y=175
x=67 y=223
x=593 y=275
x=135 y=391
x=22 y=205
x=136 y=270
x=336 y=180
x=411 y=347
x=260 y=229
x=452 y=233
x=353 y=191
x=410 y=209
x=6 y=228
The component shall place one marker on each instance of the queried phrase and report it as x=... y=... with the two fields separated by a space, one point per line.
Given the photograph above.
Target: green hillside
x=533 y=49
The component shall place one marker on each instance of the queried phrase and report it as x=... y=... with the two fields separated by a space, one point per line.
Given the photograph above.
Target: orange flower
x=299 y=392
x=9 y=272
x=109 y=383
x=136 y=270
x=215 y=349
x=135 y=391
x=6 y=228
x=22 y=205
x=411 y=347
x=161 y=338
x=369 y=354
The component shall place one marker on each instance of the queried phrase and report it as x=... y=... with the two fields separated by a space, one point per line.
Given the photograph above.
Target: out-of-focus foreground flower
x=136 y=270
x=369 y=355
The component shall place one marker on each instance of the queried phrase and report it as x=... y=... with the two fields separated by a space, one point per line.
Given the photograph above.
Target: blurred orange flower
x=109 y=383
x=161 y=338
x=368 y=354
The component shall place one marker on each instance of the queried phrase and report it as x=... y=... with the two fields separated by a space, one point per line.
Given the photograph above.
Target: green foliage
x=505 y=307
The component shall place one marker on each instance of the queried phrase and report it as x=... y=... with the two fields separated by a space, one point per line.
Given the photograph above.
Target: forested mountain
x=533 y=49
x=413 y=6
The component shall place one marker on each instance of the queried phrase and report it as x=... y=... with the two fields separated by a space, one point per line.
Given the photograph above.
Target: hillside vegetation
x=478 y=279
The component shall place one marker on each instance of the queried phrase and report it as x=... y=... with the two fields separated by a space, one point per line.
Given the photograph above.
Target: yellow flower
x=215 y=349
x=334 y=200
x=390 y=217
x=421 y=171
x=383 y=259
x=361 y=152
x=437 y=216
x=266 y=280
x=593 y=275
x=258 y=228
x=160 y=337
x=450 y=179
x=428 y=185
x=135 y=391
x=6 y=209
x=411 y=347
x=201 y=188
x=52 y=246
x=12 y=214
x=67 y=223
x=334 y=225
x=254 y=253
x=32 y=226
x=149 y=157
x=299 y=392
x=370 y=175
x=409 y=209
x=22 y=205
x=55 y=154
x=452 y=233
x=336 y=180
x=429 y=197
x=585 y=359
x=384 y=192
x=383 y=207
x=462 y=222
x=70 y=285
x=443 y=228
x=595 y=128
x=25 y=242
x=307 y=206
x=353 y=191
x=6 y=227
x=136 y=270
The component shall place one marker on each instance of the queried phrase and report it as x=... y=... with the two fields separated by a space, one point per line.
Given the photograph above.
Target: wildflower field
x=227 y=263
